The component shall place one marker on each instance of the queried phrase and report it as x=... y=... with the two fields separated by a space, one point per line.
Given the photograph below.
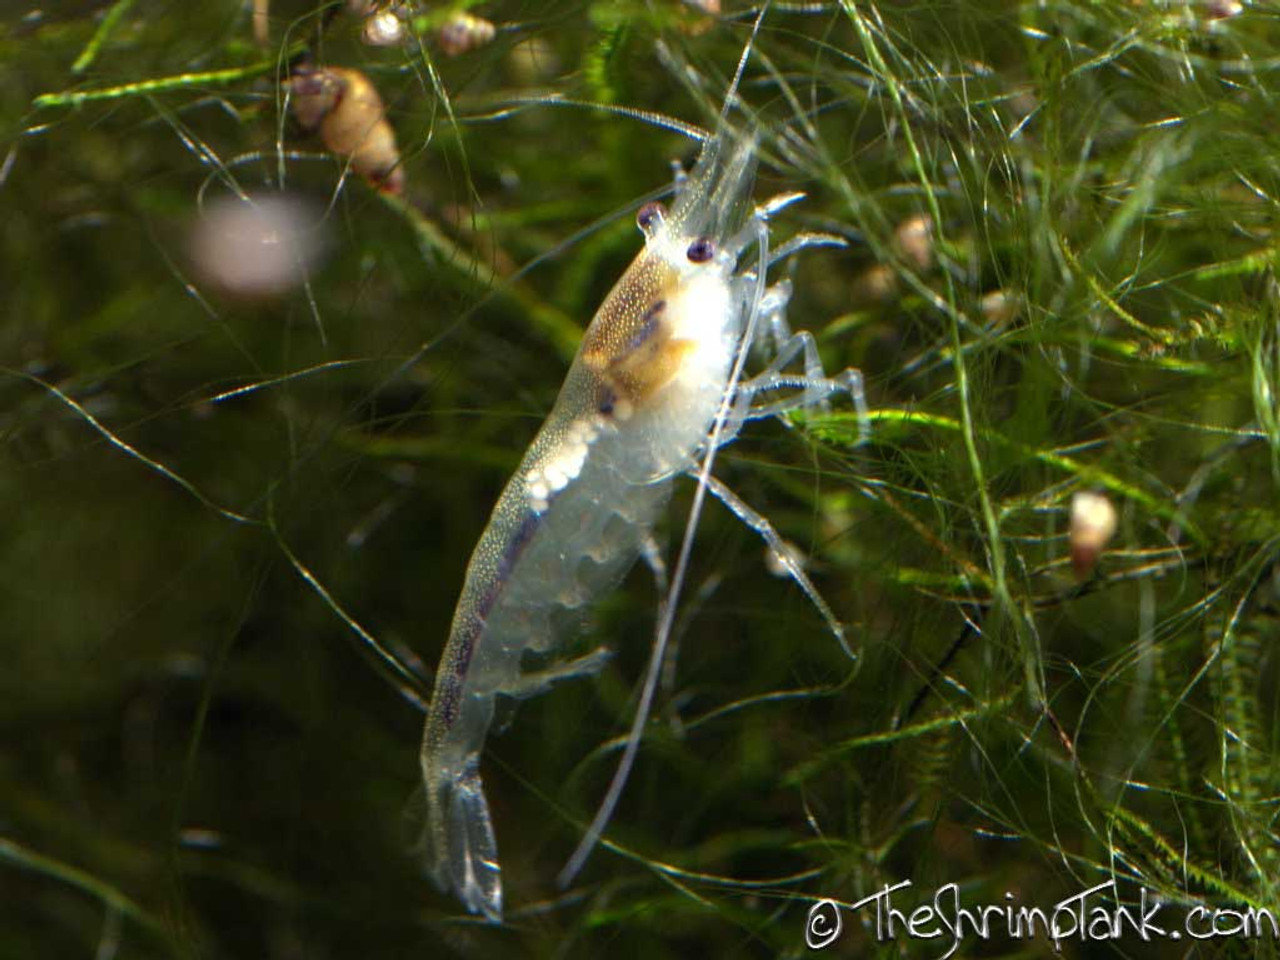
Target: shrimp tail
x=463 y=851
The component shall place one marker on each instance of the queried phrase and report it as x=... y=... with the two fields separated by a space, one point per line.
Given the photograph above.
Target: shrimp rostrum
x=655 y=388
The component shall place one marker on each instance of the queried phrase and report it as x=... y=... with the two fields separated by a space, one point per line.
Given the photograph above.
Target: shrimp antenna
x=690 y=130
x=732 y=95
x=667 y=617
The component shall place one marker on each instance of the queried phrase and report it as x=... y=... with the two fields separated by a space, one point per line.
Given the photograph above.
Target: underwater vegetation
x=289 y=289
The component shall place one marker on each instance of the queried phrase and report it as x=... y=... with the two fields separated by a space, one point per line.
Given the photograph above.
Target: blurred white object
x=463 y=33
x=914 y=240
x=383 y=28
x=259 y=246
x=780 y=565
x=1093 y=524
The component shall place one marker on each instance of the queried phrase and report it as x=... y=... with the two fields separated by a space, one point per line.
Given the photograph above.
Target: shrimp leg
x=539 y=682
x=760 y=524
x=814 y=386
x=815 y=382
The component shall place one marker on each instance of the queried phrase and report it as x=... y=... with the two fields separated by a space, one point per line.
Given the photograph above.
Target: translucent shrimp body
x=636 y=408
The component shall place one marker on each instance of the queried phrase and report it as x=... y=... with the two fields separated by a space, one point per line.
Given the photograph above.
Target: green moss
x=236 y=528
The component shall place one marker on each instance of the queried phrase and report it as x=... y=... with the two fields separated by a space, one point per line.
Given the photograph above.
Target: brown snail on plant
x=465 y=32
x=1093 y=524
x=382 y=23
x=343 y=107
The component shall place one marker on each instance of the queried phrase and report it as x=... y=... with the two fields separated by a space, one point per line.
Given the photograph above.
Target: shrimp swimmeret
x=655 y=388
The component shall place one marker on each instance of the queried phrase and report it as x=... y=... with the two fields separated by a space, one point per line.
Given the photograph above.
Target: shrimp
x=656 y=387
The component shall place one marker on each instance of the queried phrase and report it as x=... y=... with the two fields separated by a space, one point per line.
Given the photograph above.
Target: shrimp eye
x=701 y=250
x=650 y=216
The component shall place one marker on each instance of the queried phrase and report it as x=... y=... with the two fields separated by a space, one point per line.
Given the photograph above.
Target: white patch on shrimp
x=561 y=465
x=703 y=313
x=622 y=409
